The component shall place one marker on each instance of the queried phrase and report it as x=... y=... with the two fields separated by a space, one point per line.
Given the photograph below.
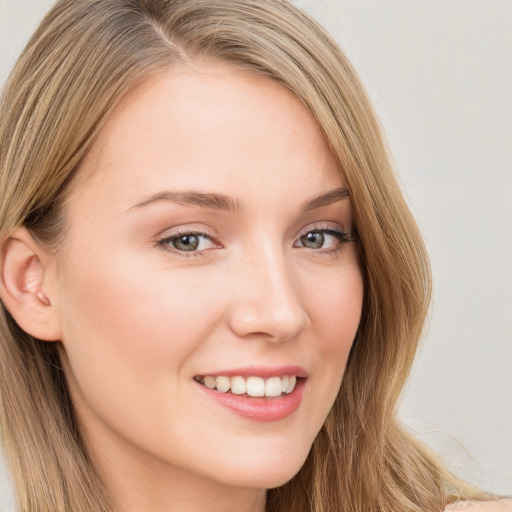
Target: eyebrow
x=203 y=200
x=325 y=199
x=226 y=203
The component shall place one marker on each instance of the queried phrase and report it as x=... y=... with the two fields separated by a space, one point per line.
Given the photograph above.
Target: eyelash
x=340 y=234
x=343 y=237
x=165 y=243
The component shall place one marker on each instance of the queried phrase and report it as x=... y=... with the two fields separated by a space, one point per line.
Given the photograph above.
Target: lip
x=260 y=371
x=264 y=409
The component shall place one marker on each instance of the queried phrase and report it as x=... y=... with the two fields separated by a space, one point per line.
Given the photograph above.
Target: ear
x=27 y=279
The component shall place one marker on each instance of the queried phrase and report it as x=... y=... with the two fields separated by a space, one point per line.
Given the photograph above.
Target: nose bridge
x=268 y=302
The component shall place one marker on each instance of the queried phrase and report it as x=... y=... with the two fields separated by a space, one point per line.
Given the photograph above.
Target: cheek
x=131 y=303
x=127 y=331
x=335 y=308
x=335 y=313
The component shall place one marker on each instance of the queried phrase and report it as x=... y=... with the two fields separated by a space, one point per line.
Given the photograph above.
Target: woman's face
x=209 y=244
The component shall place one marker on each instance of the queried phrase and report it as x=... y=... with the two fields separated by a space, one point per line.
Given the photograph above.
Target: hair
x=83 y=59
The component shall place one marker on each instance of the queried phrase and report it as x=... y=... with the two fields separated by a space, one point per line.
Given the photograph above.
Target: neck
x=183 y=495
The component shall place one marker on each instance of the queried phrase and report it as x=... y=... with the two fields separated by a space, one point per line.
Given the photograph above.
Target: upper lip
x=260 y=371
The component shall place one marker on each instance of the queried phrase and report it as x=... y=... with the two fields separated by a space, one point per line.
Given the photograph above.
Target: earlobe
x=27 y=272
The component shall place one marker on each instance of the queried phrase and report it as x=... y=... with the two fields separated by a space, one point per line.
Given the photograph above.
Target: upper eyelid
x=180 y=231
x=344 y=235
x=164 y=241
x=324 y=226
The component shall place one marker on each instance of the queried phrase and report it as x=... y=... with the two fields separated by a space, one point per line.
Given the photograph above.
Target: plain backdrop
x=440 y=75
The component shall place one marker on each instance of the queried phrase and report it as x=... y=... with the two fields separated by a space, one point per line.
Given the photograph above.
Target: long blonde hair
x=85 y=56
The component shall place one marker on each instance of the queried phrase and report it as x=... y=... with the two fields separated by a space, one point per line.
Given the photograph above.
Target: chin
x=266 y=472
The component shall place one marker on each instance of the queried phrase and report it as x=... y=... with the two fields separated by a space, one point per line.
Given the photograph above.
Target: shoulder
x=481 y=506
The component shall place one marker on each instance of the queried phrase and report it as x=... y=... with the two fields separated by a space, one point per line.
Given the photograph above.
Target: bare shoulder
x=482 y=506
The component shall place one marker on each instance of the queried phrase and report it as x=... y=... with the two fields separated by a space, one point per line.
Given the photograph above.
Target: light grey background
x=440 y=75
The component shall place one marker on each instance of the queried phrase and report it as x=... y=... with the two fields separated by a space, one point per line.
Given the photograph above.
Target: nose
x=267 y=302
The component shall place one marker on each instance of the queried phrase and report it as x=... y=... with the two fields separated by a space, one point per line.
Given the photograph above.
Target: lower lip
x=259 y=409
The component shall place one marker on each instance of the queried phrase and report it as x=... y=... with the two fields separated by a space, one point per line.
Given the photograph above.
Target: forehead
x=212 y=127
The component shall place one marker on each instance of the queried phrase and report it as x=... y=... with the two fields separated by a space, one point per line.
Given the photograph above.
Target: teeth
x=223 y=384
x=255 y=386
x=210 y=382
x=284 y=383
x=273 y=386
x=252 y=386
x=238 y=386
x=291 y=384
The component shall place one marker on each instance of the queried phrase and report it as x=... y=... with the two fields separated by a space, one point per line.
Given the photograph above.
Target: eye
x=313 y=240
x=328 y=239
x=188 y=242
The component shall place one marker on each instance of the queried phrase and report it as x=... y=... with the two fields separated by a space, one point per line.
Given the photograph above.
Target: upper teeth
x=253 y=386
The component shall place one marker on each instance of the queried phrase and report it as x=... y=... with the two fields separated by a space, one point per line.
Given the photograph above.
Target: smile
x=252 y=386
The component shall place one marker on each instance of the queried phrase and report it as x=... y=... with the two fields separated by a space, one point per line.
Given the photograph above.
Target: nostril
x=251 y=323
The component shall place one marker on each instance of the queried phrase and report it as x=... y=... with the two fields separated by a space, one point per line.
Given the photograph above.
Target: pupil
x=186 y=243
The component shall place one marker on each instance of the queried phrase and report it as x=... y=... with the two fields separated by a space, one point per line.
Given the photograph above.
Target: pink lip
x=261 y=371
x=259 y=409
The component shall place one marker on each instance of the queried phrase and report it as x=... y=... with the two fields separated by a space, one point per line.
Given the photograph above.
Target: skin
x=139 y=318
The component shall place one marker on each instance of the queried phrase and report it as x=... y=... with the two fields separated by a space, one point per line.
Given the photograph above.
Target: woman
x=212 y=287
